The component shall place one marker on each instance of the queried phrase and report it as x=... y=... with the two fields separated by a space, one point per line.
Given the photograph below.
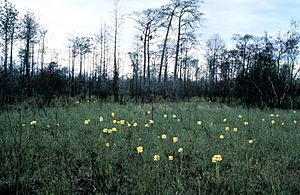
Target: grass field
x=83 y=149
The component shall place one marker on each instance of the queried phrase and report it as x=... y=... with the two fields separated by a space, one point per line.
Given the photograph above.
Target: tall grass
x=63 y=155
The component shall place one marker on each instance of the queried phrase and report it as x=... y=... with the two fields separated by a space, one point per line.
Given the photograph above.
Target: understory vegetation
x=167 y=148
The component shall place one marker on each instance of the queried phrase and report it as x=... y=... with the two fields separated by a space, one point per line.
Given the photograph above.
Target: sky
x=66 y=18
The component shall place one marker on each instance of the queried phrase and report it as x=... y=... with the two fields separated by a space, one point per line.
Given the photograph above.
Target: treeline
x=163 y=63
x=258 y=71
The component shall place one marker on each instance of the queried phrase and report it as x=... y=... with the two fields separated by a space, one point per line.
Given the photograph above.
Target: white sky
x=63 y=18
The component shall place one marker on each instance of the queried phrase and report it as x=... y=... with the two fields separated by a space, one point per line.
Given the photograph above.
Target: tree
x=29 y=31
x=42 y=49
x=147 y=21
x=84 y=46
x=168 y=11
x=188 y=15
x=117 y=23
x=215 y=47
x=242 y=43
x=73 y=47
x=8 y=20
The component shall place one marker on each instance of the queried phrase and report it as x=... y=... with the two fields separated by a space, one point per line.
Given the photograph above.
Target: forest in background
x=256 y=71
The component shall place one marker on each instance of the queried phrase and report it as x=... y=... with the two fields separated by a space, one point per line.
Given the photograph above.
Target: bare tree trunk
x=165 y=77
x=11 y=48
x=6 y=42
x=27 y=65
x=73 y=65
x=185 y=72
x=176 y=59
x=164 y=46
x=69 y=64
x=116 y=73
x=145 y=58
x=32 y=60
x=80 y=64
x=43 y=48
x=148 y=65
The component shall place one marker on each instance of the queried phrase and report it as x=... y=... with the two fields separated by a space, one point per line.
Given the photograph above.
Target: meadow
x=170 y=148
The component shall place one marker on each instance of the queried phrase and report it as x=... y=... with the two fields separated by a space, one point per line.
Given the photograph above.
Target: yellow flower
x=48 y=126
x=151 y=121
x=221 y=136
x=128 y=124
x=122 y=122
x=216 y=158
x=271 y=115
x=33 y=122
x=294 y=111
x=235 y=129
x=277 y=115
x=273 y=122
x=246 y=123
x=227 y=129
x=199 y=122
x=240 y=116
x=57 y=124
x=140 y=149
x=165 y=116
x=295 y=122
x=148 y=112
x=156 y=157
x=114 y=129
x=114 y=121
x=105 y=130
x=113 y=114
x=77 y=102
x=101 y=119
x=135 y=124
x=170 y=157
x=175 y=139
x=180 y=150
x=178 y=120
x=163 y=136
x=87 y=121
x=251 y=141
x=174 y=115
x=23 y=125
x=110 y=130
x=107 y=144
x=282 y=124
x=224 y=120
x=147 y=125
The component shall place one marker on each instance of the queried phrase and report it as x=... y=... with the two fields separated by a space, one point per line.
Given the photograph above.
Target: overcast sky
x=63 y=18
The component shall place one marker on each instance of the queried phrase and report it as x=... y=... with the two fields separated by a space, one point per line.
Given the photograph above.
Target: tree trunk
x=145 y=58
x=116 y=73
x=32 y=60
x=165 y=78
x=11 y=48
x=148 y=65
x=164 y=46
x=27 y=65
x=6 y=42
x=176 y=59
x=43 y=50
x=80 y=64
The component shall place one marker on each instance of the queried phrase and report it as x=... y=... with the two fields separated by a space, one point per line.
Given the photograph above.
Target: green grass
x=71 y=157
